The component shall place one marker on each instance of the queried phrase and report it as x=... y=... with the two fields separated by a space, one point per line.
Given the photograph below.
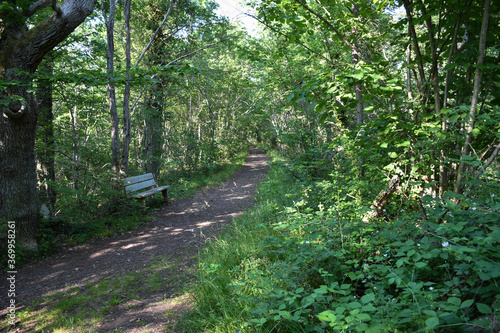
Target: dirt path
x=177 y=233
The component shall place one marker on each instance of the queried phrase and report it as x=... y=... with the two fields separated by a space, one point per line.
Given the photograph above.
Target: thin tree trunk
x=110 y=52
x=126 y=94
x=408 y=79
x=76 y=171
x=444 y=173
x=413 y=37
x=475 y=96
x=434 y=58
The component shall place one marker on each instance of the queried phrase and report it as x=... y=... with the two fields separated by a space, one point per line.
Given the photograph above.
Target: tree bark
x=46 y=157
x=126 y=94
x=358 y=90
x=416 y=47
x=23 y=49
x=475 y=96
x=110 y=68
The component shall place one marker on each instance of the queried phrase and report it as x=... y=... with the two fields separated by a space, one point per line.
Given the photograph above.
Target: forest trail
x=174 y=237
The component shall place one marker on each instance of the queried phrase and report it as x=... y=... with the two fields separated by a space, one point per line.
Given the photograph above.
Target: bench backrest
x=137 y=183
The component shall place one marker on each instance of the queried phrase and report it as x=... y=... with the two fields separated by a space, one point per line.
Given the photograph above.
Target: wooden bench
x=146 y=181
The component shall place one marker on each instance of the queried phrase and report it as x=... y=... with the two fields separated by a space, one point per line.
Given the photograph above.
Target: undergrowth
x=187 y=183
x=304 y=261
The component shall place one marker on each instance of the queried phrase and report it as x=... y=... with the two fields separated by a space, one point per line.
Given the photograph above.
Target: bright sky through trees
x=235 y=12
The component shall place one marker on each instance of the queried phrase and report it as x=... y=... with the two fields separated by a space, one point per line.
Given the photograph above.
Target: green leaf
x=285 y=315
x=467 y=303
x=327 y=316
x=323 y=117
x=358 y=76
x=454 y=300
x=432 y=322
x=368 y=298
x=355 y=305
x=363 y=316
x=404 y=144
x=420 y=264
x=483 y=308
x=393 y=154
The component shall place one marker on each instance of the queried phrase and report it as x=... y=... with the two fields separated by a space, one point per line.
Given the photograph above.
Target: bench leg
x=164 y=193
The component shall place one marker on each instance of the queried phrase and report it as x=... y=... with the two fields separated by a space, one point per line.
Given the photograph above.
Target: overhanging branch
x=341 y=36
x=296 y=41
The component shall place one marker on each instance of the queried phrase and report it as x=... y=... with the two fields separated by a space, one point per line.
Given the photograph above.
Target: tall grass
x=224 y=263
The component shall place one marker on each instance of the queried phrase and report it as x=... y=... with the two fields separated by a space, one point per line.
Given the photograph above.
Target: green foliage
x=312 y=265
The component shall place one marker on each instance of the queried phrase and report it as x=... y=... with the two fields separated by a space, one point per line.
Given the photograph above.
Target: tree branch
x=12 y=114
x=322 y=18
x=155 y=34
x=35 y=7
x=296 y=41
x=27 y=51
x=68 y=156
x=196 y=51
x=56 y=8
x=172 y=62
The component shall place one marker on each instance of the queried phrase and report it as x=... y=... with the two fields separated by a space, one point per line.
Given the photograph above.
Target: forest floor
x=146 y=272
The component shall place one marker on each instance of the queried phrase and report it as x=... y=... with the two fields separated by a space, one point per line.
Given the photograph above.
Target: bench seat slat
x=140 y=186
x=151 y=192
x=138 y=179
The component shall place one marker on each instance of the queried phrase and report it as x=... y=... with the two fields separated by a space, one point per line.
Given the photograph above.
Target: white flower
x=473 y=208
x=418 y=244
x=445 y=244
x=493 y=195
x=385 y=255
x=431 y=288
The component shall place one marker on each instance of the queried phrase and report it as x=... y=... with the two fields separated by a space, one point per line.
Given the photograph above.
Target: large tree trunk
x=23 y=49
x=18 y=182
x=46 y=153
